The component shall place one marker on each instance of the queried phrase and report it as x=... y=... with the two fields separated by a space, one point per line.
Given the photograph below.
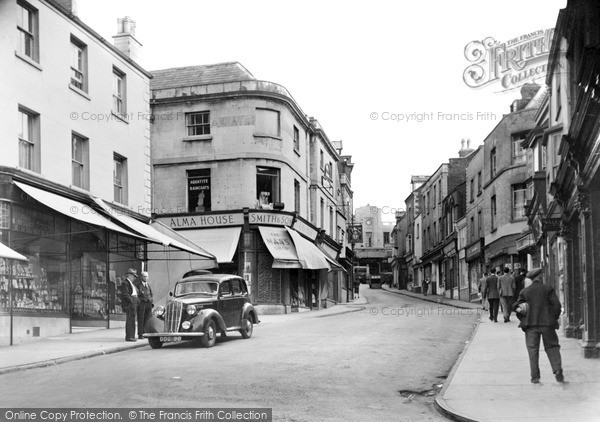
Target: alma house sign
x=237 y=219
x=206 y=221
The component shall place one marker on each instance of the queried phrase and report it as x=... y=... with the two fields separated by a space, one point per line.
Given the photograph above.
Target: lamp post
x=351 y=287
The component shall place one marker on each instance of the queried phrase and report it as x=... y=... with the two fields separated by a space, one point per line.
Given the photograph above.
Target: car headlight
x=159 y=311
x=186 y=325
x=191 y=310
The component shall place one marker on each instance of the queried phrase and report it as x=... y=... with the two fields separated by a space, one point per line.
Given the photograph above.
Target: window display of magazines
x=30 y=288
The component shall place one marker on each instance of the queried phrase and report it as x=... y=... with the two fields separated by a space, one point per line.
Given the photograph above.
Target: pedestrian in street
x=519 y=282
x=146 y=302
x=356 y=285
x=506 y=288
x=538 y=309
x=481 y=288
x=425 y=286
x=492 y=294
x=130 y=302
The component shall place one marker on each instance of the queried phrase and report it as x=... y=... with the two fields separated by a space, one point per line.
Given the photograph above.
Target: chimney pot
x=125 y=39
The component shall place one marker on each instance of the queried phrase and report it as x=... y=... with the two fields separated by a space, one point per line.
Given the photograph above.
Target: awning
x=335 y=266
x=155 y=232
x=221 y=242
x=8 y=253
x=72 y=209
x=280 y=246
x=309 y=255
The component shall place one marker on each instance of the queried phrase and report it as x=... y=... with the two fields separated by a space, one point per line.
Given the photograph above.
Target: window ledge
x=119 y=117
x=80 y=92
x=197 y=138
x=262 y=135
x=28 y=60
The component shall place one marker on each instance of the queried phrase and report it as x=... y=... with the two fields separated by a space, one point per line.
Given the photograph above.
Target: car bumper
x=147 y=335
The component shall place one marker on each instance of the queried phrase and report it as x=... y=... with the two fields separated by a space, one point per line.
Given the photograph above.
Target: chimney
x=529 y=90
x=465 y=151
x=69 y=5
x=125 y=39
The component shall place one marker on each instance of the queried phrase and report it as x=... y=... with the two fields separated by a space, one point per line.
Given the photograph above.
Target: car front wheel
x=210 y=335
x=155 y=343
x=247 y=328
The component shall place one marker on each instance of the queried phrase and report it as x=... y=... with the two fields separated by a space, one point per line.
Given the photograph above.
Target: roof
x=199 y=75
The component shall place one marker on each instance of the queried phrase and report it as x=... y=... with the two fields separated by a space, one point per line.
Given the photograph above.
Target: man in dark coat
x=539 y=318
x=506 y=287
x=130 y=302
x=493 y=295
x=519 y=282
x=146 y=302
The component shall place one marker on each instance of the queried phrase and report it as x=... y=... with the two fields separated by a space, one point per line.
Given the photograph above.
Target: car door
x=226 y=301
x=238 y=301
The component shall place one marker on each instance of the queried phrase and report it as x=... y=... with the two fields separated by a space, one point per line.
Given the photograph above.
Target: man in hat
x=130 y=302
x=492 y=294
x=146 y=300
x=540 y=320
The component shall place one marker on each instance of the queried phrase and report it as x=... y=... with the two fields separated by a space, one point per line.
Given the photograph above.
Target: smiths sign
x=512 y=63
x=355 y=234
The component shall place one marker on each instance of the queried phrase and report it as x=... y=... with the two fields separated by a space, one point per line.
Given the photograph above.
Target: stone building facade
x=240 y=169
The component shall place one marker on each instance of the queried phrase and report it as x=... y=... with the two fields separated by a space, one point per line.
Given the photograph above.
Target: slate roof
x=199 y=75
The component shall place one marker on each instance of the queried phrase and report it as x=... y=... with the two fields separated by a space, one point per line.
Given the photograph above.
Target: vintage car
x=201 y=306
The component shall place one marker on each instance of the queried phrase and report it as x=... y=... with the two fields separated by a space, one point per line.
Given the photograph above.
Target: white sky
x=342 y=61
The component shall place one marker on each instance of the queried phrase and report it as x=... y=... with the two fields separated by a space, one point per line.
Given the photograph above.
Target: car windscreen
x=196 y=287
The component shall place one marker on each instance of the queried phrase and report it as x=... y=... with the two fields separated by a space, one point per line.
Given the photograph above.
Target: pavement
x=489 y=382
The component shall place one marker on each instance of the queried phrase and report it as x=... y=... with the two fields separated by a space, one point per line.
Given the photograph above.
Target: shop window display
x=90 y=291
x=31 y=287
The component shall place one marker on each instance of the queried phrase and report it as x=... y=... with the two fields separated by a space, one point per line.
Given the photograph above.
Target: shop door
x=89 y=293
x=269 y=280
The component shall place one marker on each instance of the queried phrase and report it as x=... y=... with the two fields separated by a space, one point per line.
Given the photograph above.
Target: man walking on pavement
x=491 y=292
x=481 y=288
x=538 y=308
x=146 y=304
x=519 y=282
x=130 y=302
x=506 y=287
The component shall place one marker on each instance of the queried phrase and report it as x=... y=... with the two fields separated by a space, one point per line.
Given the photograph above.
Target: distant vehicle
x=201 y=306
x=375 y=281
x=362 y=273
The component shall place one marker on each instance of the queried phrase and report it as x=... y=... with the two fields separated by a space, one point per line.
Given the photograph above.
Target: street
x=384 y=361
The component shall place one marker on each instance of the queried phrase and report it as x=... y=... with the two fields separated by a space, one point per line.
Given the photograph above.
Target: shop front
x=475 y=264
x=275 y=252
x=76 y=257
x=502 y=253
x=449 y=265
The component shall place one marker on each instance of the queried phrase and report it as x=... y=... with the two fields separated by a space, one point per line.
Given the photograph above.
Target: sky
x=384 y=77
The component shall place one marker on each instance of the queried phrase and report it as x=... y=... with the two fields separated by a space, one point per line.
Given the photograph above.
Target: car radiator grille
x=173 y=316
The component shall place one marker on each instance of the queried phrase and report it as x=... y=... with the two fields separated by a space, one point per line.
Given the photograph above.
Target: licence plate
x=169 y=339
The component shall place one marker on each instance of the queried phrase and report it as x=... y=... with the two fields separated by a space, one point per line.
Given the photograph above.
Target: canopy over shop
x=78 y=252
